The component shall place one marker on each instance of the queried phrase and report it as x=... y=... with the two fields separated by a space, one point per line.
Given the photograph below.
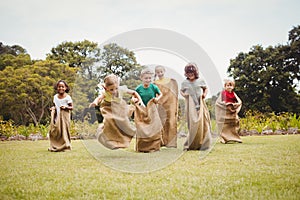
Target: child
x=194 y=91
x=147 y=90
x=146 y=117
x=60 y=118
x=169 y=102
x=117 y=131
x=227 y=107
x=121 y=90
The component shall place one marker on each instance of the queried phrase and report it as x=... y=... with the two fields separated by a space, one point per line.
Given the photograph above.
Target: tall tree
x=13 y=50
x=266 y=79
x=118 y=60
x=14 y=56
x=82 y=55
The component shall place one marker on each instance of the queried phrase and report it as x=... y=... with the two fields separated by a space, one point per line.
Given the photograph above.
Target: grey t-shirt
x=194 y=89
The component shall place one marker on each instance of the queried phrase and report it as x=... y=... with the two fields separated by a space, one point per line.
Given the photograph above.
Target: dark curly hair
x=191 y=68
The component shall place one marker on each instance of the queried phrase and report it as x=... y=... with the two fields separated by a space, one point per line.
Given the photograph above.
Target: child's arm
x=97 y=100
x=136 y=97
x=204 y=92
x=184 y=93
x=52 y=108
x=157 y=98
x=239 y=101
x=69 y=107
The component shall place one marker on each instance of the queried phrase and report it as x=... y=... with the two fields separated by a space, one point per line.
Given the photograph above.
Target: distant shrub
x=269 y=121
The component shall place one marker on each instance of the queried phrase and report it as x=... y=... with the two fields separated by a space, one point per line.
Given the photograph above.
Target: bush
x=260 y=122
x=7 y=128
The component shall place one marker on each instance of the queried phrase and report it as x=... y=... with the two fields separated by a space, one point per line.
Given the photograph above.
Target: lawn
x=263 y=167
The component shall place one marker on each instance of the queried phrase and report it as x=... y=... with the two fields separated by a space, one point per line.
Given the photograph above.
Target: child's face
x=112 y=89
x=61 y=88
x=160 y=72
x=229 y=86
x=190 y=76
x=147 y=79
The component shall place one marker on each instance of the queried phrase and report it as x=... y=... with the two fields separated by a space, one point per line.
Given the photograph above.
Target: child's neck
x=146 y=85
x=61 y=95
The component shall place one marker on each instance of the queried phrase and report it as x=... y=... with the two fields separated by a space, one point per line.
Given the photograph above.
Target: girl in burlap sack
x=194 y=90
x=168 y=106
x=59 y=133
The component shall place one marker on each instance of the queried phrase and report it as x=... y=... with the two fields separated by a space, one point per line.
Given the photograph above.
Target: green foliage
x=14 y=56
x=17 y=61
x=211 y=105
x=255 y=120
x=118 y=60
x=27 y=93
x=84 y=129
x=81 y=55
x=12 y=50
x=267 y=80
x=7 y=128
x=83 y=94
x=294 y=121
x=23 y=130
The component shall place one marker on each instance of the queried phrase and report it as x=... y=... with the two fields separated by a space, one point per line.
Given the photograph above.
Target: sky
x=222 y=28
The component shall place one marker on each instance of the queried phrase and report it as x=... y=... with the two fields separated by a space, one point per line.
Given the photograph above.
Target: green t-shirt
x=147 y=93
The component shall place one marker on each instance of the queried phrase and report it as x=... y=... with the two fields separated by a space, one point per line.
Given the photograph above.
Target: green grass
x=260 y=168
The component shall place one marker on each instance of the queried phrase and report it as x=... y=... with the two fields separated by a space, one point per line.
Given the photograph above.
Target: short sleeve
x=156 y=89
x=69 y=100
x=202 y=83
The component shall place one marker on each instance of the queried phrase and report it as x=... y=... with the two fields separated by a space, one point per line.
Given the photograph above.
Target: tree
x=13 y=50
x=117 y=60
x=82 y=55
x=293 y=55
x=14 y=56
x=266 y=79
x=26 y=93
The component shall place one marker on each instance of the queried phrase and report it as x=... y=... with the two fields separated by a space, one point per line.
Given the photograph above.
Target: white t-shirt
x=61 y=102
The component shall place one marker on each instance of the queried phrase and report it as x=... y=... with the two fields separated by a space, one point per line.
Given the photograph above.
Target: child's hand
x=52 y=108
x=185 y=95
x=236 y=105
x=92 y=105
x=135 y=100
x=155 y=100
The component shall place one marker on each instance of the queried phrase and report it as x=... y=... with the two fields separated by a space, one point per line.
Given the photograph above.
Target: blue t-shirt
x=147 y=93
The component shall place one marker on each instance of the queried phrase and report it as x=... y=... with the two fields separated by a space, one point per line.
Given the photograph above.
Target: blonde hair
x=160 y=67
x=110 y=80
x=146 y=71
x=226 y=81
